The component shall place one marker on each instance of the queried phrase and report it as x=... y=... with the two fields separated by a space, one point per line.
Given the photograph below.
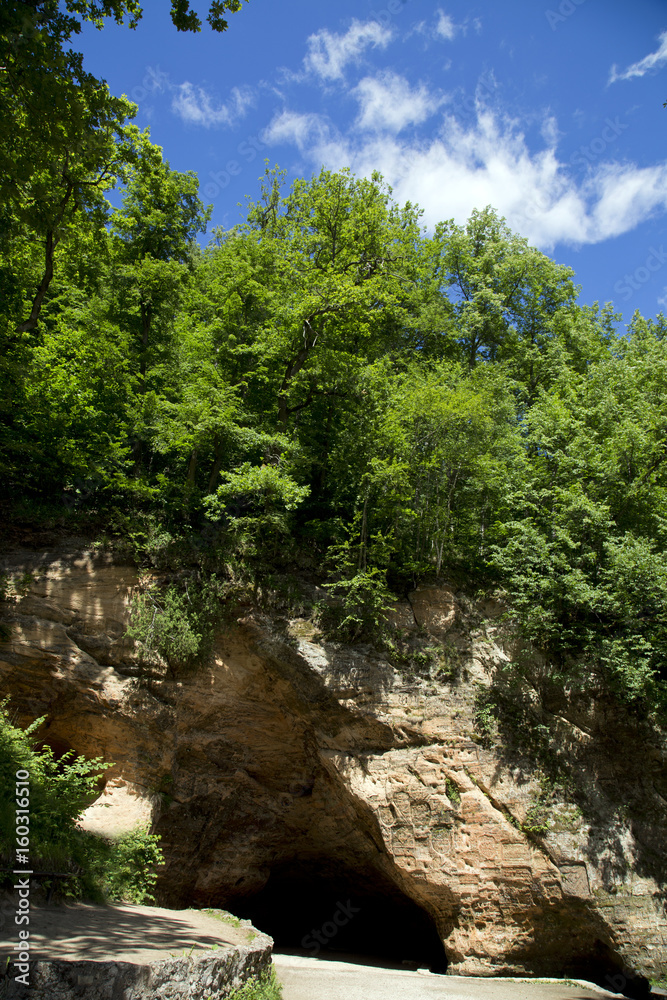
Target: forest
x=327 y=389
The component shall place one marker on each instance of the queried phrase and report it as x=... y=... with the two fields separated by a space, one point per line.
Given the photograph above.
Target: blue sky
x=549 y=111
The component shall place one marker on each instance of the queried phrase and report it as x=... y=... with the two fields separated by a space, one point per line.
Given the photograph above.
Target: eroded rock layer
x=291 y=778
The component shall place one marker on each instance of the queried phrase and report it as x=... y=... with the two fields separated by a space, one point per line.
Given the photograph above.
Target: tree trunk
x=217 y=466
x=31 y=322
x=192 y=468
x=293 y=368
x=146 y=317
x=51 y=242
x=138 y=455
x=362 y=546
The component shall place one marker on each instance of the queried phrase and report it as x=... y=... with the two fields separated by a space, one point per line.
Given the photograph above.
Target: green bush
x=127 y=873
x=361 y=613
x=253 y=508
x=59 y=792
x=265 y=988
x=175 y=624
x=453 y=794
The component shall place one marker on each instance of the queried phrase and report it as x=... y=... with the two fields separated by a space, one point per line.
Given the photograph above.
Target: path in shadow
x=136 y=934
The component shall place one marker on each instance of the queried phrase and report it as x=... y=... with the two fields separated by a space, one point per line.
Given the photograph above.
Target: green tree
x=343 y=266
x=54 y=792
x=506 y=295
x=67 y=386
x=155 y=229
x=583 y=552
x=74 y=424
x=154 y=248
x=196 y=414
x=254 y=503
x=186 y=19
x=433 y=468
x=63 y=143
x=57 y=793
x=63 y=140
x=64 y=19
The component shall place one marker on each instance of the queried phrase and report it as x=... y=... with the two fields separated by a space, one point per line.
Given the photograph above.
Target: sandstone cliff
x=290 y=778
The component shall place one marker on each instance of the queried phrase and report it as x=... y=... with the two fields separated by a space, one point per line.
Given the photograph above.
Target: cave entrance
x=315 y=908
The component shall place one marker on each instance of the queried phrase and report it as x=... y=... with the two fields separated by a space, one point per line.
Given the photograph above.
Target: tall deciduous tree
x=64 y=139
x=155 y=231
x=583 y=553
x=343 y=266
x=506 y=294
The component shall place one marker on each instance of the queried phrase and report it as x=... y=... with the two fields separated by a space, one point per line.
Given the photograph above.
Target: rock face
x=195 y=973
x=340 y=803
x=176 y=979
x=126 y=952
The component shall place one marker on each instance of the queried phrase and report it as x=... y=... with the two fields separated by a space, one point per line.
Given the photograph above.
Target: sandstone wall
x=286 y=752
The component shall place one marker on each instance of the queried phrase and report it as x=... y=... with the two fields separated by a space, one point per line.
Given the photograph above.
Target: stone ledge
x=212 y=974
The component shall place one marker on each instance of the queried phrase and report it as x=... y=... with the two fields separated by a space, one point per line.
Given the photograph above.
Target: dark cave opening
x=314 y=908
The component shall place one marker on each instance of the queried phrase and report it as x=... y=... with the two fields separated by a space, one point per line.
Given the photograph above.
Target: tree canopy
x=326 y=385
x=64 y=19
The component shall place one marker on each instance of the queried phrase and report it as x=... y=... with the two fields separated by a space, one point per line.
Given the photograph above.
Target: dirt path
x=138 y=934
x=313 y=979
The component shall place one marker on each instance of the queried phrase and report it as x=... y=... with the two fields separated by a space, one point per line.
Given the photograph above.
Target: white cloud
x=549 y=131
x=388 y=102
x=329 y=53
x=652 y=61
x=445 y=28
x=194 y=106
x=489 y=163
x=305 y=131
